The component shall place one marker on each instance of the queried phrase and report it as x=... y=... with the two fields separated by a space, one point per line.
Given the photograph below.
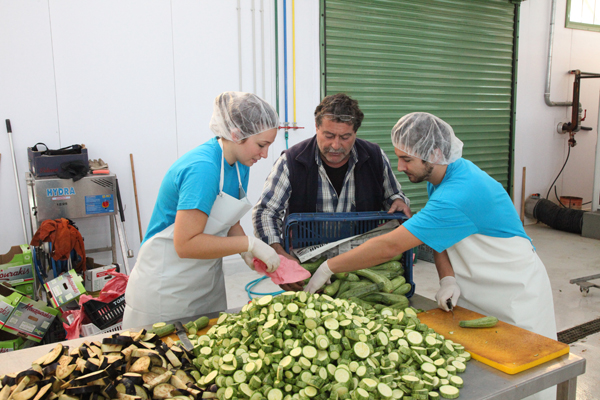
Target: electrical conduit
x=285 y=85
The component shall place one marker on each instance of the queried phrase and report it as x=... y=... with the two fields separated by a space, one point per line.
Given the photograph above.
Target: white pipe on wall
x=239 y=21
x=549 y=63
x=253 y=9
x=596 y=186
x=262 y=46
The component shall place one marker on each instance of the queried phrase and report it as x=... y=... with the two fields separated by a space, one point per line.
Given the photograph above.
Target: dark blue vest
x=304 y=176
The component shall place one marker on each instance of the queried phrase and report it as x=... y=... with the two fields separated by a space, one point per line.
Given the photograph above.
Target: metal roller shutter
x=452 y=58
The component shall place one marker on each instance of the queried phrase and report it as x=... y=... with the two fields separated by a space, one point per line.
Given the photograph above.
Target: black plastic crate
x=103 y=314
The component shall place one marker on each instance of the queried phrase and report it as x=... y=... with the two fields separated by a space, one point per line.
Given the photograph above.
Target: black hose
x=563 y=219
x=561 y=170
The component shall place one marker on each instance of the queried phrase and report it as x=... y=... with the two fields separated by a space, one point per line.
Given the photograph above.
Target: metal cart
x=90 y=197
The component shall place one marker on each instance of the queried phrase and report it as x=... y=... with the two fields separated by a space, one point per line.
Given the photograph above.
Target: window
x=583 y=14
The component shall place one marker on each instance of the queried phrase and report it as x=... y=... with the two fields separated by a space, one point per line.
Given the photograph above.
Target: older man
x=334 y=171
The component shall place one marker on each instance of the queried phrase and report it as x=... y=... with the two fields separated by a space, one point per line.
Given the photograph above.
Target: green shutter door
x=452 y=58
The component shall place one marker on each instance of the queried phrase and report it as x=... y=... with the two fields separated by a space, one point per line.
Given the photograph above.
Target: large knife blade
x=182 y=335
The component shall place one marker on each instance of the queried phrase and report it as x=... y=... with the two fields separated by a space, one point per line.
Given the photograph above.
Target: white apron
x=165 y=287
x=504 y=277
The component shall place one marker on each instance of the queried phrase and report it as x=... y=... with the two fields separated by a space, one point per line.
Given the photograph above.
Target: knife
x=182 y=335
x=450 y=307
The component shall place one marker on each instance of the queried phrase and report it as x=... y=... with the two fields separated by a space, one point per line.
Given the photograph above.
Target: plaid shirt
x=268 y=214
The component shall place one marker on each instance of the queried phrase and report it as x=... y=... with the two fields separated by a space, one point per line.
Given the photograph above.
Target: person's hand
x=448 y=290
x=293 y=287
x=248 y=258
x=263 y=252
x=319 y=278
x=399 y=205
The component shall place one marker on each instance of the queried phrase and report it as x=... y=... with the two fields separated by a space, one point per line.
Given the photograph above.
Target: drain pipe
x=239 y=21
x=294 y=59
x=276 y=58
x=253 y=10
x=596 y=187
x=549 y=66
x=285 y=85
x=262 y=46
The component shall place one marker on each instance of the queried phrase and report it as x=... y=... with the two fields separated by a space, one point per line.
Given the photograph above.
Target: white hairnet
x=244 y=114
x=420 y=134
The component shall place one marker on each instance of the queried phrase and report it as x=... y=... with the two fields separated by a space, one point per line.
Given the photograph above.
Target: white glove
x=319 y=278
x=448 y=290
x=263 y=252
x=248 y=259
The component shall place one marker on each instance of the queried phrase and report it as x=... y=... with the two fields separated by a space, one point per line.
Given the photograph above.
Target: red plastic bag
x=289 y=271
x=114 y=288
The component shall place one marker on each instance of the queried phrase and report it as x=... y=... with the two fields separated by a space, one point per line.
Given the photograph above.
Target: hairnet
x=420 y=134
x=244 y=114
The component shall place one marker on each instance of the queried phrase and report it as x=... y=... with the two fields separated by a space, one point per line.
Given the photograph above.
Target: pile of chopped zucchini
x=303 y=346
x=380 y=286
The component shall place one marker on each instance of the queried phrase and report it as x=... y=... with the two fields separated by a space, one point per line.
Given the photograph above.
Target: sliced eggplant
x=111 y=348
x=139 y=335
x=123 y=396
x=185 y=377
x=43 y=392
x=26 y=394
x=141 y=365
x=20 y=386
x=163 y=391
x=141 y=392
x=50 y=370
x=147 y=345
x=9 y=380
x=33 y=375
x=149 y=376
x=64 y=371
x=88 y=378
x=54 y=355
x=175 y=381
x=163 y=378
x=136 y=378
x=5 y=392
x=84 y=352
x=91 y=365
x=127 y=352
x=136 y=353
x=110 y=391
x=95 y=350
x=65 y=396
x=173 y=359
x=158 y=370
x=126 y=387
x=79 y=390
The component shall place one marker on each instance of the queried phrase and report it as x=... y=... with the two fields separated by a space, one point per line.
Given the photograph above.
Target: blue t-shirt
x=468 y=201
x=192 y=182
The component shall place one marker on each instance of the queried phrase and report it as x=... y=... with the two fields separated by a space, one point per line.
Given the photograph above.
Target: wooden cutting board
x=505 y=347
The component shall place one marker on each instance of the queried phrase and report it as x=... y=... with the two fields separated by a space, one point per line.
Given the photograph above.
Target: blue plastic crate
x=309 y=229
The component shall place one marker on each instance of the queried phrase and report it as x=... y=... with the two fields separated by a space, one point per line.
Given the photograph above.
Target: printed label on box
x=29 y=320
x=96 y=278
x=5 y=311
x=65 y=288
x=20 y=272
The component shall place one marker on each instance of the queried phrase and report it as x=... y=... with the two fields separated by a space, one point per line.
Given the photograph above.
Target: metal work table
x=482 y=382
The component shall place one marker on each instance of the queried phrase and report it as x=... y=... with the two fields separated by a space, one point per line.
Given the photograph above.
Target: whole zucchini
x=485 y=322
x=386 y=298
x=376 y=278
x=313 y=266
x=403 y=289
x=398 y=281
x=332 y=289
x=389 y=266
x=374 y=287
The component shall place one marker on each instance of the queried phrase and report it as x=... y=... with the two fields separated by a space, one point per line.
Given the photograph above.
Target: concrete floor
x=565 y=255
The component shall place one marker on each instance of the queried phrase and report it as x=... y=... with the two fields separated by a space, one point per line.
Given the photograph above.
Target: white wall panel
x=27 y=98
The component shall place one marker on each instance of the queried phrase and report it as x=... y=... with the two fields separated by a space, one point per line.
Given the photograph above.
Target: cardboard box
x=22 y=316
x=46 y=165
x=65 y=288
x=96 y=278
x=9 y=342
x=17 y=264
